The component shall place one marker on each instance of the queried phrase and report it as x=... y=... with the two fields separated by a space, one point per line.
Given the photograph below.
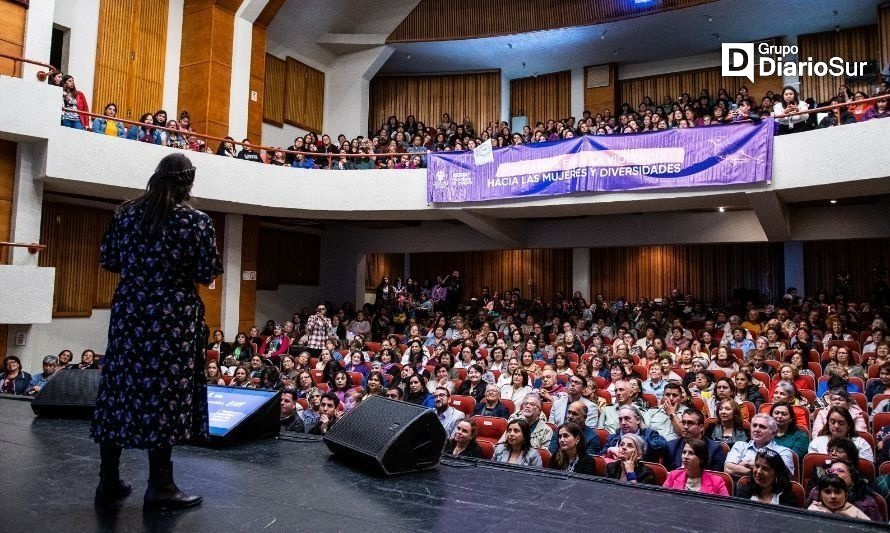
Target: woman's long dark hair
x=526 y=434
x=170 y=185
x=560 y=461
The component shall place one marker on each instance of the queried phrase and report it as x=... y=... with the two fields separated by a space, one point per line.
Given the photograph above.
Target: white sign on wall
x=249 y=275
x=21 y=338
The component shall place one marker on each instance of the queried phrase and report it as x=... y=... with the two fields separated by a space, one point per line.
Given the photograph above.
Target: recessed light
x=721 y=209
x=832 y=202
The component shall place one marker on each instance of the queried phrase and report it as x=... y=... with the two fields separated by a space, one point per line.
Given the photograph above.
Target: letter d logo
x=737 y=59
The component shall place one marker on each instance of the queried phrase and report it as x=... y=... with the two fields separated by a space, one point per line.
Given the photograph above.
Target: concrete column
x=231 y=283
x=793 y=81
x=580 y=272
x=347 y=91
x=27 y=201
x=505 y=98
x=38 y=36
x=577 y=100
x=171 y=57
x=239 y=91
x=794 y=275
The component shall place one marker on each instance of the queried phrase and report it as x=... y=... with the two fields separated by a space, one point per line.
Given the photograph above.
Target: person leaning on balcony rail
x=107 y=125
x=74 y=100
x=790 y=103
x=881 y=108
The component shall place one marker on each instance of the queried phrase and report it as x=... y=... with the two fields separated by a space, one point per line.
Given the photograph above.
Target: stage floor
x=49 y=473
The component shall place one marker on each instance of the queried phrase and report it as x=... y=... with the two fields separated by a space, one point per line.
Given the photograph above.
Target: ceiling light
x=832 y=202
x=721 y=209
x=408 y=56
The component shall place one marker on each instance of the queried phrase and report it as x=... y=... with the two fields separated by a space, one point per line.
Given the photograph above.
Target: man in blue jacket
x=693 y=423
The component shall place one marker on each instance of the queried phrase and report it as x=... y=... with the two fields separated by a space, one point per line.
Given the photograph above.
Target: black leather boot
x=162 y=493
x=111 y=487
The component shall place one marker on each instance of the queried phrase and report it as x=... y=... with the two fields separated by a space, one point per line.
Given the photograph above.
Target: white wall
x=172 y=54
x=82 y=18
x=75 y=334
x=281 y=304
x=38 y=36
x=666 y=66
x=283 y=136
x=347 y=91
x=239 y=91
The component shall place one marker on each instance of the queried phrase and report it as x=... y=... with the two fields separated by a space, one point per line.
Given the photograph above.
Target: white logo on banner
x=483 y=153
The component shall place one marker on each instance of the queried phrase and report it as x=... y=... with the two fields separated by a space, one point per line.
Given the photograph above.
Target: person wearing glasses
x=740 y=459
x=630 y=422
x=692 y=422
x=318 y=330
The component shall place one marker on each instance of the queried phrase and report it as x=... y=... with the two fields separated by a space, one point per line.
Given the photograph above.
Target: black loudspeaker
x=68 y=394
x=388 y=436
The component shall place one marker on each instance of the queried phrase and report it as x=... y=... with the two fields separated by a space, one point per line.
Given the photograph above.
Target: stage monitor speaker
x=68 y=394
x=388 y=436
x=240 y=414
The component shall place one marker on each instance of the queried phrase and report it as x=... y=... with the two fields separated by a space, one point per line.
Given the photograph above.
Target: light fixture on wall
x=832 y=202
x=721 y=209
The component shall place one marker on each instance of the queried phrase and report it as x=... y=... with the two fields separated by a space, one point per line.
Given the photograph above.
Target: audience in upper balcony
x=73 y=101
x=109 y=126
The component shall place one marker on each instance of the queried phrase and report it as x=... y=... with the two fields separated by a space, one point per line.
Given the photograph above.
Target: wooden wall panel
x=632 y=91
x=379 y=265
x=12 y=36
x=287 y=257
x=596 y=99
x=542 y=98
x=303 y=96
x=442 y=20
x=7 y=183
x=150 y=45
x=854 y=44
x=476 y=95
x=212 y=297
x=273 y=90
x=206 y=64
x=534 y=272
x=130 y=52
x=823 y=260
x=884 y=32
x=247 y=303
x=257 y=75
x=708 y=272
x=72 y=235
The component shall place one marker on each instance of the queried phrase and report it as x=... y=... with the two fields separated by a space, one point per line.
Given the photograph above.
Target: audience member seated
x=577 y=413
x=416 y=392
x=241 y=378
x=530 y=411
x=665 y=419
x=746 y=390
x=630 y=421
x=692 y=422
x=730 y=427
x=463 y=440
x=787 y=433
x=572 y=455
x=692 y=476
x=87 y=360
x=574 y=392
x=517 y=448
x=491 y=405
x=840 y=424
x=881 y=386
x=785 y=391
x=290 y=420
x=14 y=380
x=839 y=398
x=859 y=492
x=624 y=395
x=517 y=384
x=629 y=466
x=769 y=480
x=327 y=414
x=474 y=385
x=833 y=498
x=740 y=459
x=38 y=381
x=213 y=375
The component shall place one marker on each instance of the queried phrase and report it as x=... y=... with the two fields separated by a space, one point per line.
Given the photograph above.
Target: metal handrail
x=220 y=139
x=41 y=75
x=32 y=247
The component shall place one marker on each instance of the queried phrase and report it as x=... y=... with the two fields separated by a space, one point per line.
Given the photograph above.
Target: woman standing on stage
x=153 y=394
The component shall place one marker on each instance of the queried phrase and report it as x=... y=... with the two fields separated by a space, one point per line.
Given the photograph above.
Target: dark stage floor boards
x=49 y=472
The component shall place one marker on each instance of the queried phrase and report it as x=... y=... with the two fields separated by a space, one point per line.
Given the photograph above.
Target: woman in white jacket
x=790 y=103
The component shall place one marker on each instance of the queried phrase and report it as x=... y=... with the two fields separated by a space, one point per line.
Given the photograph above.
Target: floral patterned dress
x=152 y=393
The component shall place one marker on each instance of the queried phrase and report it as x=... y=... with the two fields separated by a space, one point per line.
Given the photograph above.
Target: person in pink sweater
x=693 y=476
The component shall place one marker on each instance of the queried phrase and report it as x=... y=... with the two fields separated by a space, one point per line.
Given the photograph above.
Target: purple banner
x=695 y=157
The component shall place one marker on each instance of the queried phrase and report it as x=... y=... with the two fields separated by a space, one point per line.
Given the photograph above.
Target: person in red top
x=74 y=100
